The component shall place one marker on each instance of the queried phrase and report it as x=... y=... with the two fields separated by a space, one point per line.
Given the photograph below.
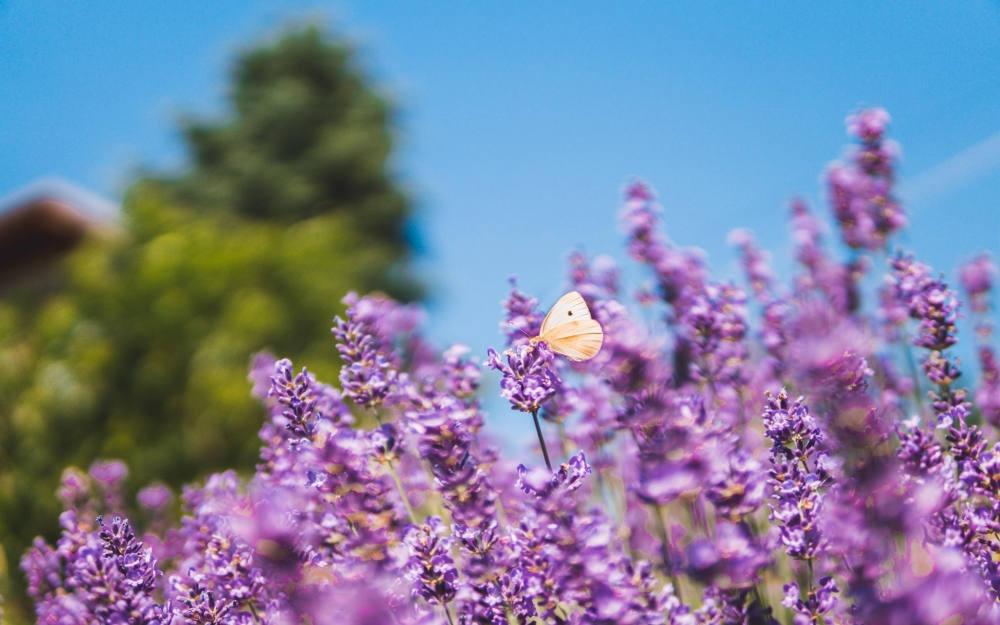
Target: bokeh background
x=268 y=156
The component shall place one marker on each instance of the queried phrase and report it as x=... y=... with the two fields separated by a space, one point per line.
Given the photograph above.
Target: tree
x=309 y=137
x=141 y=351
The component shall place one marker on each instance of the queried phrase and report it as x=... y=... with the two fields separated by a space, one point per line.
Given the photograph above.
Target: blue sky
x=520 y=121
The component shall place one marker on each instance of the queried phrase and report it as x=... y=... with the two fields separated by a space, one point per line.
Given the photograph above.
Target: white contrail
x=952 y=173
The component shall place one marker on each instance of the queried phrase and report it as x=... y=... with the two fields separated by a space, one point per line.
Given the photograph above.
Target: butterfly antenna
x=522 y=331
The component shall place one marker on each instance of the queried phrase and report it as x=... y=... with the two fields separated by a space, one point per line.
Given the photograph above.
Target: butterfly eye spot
x=570 y=313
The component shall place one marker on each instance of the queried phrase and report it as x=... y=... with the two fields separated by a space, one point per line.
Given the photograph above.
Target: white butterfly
x=569 y=329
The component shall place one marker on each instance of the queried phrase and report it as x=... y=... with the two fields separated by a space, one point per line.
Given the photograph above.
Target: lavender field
x=750 y=452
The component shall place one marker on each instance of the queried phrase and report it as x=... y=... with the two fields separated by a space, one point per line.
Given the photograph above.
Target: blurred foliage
x=309 y=137
x=142 y=349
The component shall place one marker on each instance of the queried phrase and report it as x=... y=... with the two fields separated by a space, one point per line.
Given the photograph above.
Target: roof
x=91 y=206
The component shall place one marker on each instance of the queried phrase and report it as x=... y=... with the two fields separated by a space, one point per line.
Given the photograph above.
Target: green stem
x=541 y=439
x=402 y=492
x=811 y=593
x=665 y=552
x=395 y=478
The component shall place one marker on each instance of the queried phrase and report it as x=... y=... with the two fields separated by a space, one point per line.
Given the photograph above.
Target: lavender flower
x=737 y=488
x=296 y=394
x=816 y=604
x=595 y=279
x=155 y=496
x=528 y=377
x=367 y=375
x=775 y=336
x=834 y=282
x=713 y=325
x=679 y=454
x=522 y=318
x=446 y=443
x=100 y=574
x=797 y=476
x=567 y=478
x=431 y=567
x=988 y=394
x=678 y=272
x=138 y=566
x=977 y=277
x=733 y=559
x=861 y=193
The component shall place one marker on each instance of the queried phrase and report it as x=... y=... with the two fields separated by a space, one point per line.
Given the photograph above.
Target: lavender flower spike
x=528 y=381
x=367 y=375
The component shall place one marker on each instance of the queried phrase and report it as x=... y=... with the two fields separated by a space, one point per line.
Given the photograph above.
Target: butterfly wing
x=568 y=309
x=576 y=340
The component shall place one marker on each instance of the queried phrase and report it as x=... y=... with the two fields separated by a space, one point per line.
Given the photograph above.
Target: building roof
x=44 y=221
x=88 y=204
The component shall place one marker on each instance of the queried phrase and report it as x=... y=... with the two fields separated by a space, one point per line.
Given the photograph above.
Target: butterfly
x=569 y=329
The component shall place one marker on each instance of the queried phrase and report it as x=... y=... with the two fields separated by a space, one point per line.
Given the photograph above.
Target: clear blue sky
x=519 y=121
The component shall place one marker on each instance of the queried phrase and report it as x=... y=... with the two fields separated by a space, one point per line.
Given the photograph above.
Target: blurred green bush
x=139 y=347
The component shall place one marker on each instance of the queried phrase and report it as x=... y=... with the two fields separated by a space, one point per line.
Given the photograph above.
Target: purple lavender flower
x=713 y=326
x=935 y=306
x=733 y=559
x=155 y=496
x=109 y=473
x=723 y=606
x=74 y=490
x=567 y=478
x=109 y=478
x=677 y=271
x=774 y=332
x=861 y=193
x=977 y=277
x=136 y=564
x=296 y=394
x=505 y=597
x=815 y=605
x=595 y=279
x=367 y=376
x=988 y=394
x=756 y=263
x=522 y=318
x=680 y=454
x=446 y=443
x=942 y=592
x=95 y=574
x=528 y=377
x=797 y=476
x=834 y=282
x=431 y=567
x=460 y=376
x=737 y=488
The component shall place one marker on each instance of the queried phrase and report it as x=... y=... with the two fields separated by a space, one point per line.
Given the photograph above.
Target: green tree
x=309 y=137
x=141 y=352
